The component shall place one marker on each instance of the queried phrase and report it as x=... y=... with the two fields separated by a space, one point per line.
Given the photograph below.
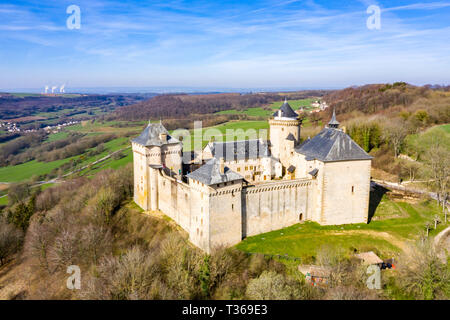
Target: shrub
x=273 y=286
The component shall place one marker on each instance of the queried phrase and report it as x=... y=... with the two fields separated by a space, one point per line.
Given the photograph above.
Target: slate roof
x=286 y=111
x=150 y=136
x=332 y=145
x=240 y=150
x=209 y=173
x=314 y=172
x=290 y=137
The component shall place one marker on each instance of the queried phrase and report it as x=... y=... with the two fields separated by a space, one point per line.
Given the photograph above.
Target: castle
x=244 y=188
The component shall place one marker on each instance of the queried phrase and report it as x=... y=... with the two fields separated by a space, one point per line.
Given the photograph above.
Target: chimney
x=222 y=166
x=163 y=137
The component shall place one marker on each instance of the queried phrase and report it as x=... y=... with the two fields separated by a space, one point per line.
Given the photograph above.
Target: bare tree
x=422 y=274
x=10 y=240
x=437 y=157
x=428 y=227
x=436 y=220
x=394 y=132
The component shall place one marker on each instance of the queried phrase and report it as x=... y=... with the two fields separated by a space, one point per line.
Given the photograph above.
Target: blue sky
x=266 y=43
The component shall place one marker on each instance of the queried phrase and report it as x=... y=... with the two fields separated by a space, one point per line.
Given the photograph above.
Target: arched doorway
x=300 y=217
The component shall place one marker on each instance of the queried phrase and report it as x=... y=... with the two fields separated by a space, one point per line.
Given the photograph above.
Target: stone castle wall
x=224 y=215
x=276 y=204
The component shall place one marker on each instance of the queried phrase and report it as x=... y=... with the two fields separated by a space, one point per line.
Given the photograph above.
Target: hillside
x=393 y=122
x=391 y=99
x=187 y=106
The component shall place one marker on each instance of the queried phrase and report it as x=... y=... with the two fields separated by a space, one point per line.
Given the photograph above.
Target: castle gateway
x=244 y=188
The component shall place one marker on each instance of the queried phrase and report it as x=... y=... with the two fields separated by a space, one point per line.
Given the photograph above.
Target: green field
x=57 y=136
x=232 y=130
x=29 y=169
x=392 y=225
x=268 y=111
x=109 y=164
x=295 y=104
x=23 y=95
x=26 y=170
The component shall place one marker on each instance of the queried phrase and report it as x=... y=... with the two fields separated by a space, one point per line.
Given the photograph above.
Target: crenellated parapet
x=279 y=185
x=285 y=123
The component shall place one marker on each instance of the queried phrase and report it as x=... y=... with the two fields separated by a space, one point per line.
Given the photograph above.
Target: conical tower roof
x=286 y=111
x=333 y=122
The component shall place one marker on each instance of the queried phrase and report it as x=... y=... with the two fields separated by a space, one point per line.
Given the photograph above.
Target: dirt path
x=400 y=243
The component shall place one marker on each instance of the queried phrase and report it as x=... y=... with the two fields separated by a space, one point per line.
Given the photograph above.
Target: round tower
x=284 y=133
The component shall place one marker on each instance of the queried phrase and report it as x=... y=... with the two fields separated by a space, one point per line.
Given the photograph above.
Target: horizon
x=230 y=45
x=163 y=90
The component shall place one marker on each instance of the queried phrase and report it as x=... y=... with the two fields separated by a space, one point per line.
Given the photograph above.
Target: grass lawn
x=393 y=224
x=303 y=241
x=4 y=201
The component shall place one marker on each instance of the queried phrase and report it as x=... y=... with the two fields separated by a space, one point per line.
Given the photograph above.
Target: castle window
x=232 y=207
x=238 y=169
x=197 y=231
x=353 y=189
x=246 y=168
x=201 y=221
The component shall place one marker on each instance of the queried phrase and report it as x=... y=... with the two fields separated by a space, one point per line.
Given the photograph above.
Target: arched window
x=300 y=217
